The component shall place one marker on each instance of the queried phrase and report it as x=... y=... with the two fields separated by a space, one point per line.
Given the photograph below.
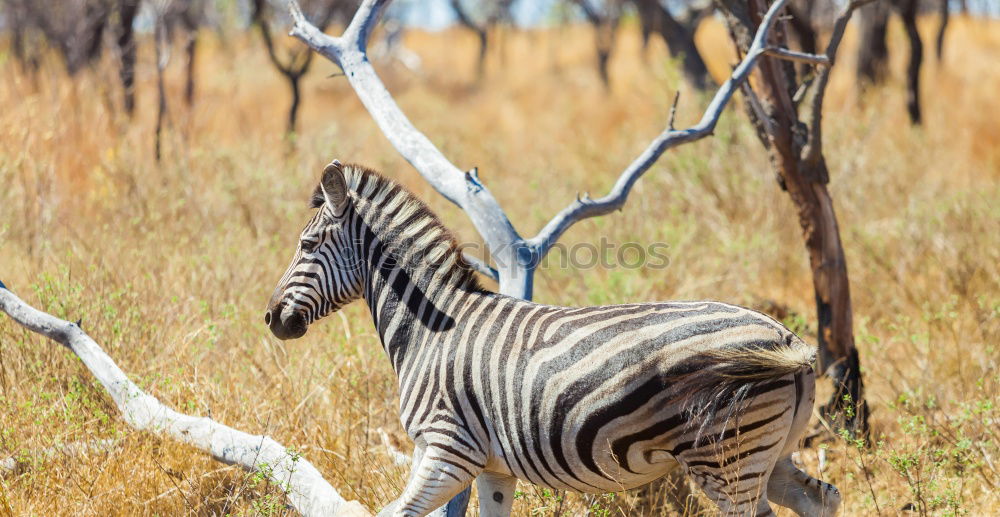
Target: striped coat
x=592 y=399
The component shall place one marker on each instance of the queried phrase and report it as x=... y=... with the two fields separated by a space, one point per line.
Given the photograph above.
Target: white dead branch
x=305 y=488
x=18 y=464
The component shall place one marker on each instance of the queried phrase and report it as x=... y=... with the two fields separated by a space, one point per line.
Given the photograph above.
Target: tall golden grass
x=170 y=264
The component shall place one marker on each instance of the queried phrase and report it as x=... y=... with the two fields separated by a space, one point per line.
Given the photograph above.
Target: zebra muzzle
x=285 y=324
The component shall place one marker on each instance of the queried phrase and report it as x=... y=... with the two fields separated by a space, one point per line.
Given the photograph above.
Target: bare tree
x=74 y=28
x=480 y=17
x=873 y=51
x=908 y=12
x=943 y=14
x=515 y=257
x=795 y=144
x=605 y=19
x=161 y=44
x=17 y=18
x=126 y=11
x=678 y=35
x=297 y=62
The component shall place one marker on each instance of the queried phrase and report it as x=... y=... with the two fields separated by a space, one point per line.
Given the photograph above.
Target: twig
x=673 y=111
x=798 y=57
x=615 y=199
x=14 y=464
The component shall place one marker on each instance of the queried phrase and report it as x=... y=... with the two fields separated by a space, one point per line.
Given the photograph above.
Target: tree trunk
x=944 y=14
x=873 y=53
x=293 y=110
x=191 y=50
x=127 y=10
x=908 y=12
x=803 y=174
x=678 y=38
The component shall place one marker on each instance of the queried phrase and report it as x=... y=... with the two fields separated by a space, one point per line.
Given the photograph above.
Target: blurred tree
x=873 y=52
x=296 y=62
x=73 y=27
x=126 y=11
x=604 y=16
x=488 y=13
x=678 y=35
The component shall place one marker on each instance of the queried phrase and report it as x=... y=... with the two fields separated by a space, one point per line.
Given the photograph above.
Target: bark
x=908 y=12
x=802 y=171
x=873 y=52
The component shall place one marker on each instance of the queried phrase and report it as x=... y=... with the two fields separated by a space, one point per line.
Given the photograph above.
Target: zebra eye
x=308 y=246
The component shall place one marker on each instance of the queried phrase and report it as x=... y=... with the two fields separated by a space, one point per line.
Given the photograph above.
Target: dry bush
x=170 y=265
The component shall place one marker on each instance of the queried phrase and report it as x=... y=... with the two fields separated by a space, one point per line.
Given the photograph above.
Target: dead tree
x=297 y=62
x=481 y=30
x=873 y=51
x=189 y=17
x=25 y=49
x=678 y=36
x=795 y=144
x=605 y=20
x=908 y=12
x=515 y=258
x=74 y=28
x=162 y=47
x=126 y=11
x=943 y=15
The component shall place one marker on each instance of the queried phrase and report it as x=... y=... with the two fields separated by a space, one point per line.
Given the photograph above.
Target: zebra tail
x=762 y=362
x=728 y=376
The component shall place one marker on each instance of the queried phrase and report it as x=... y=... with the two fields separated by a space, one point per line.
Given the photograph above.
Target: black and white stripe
x=593 y=399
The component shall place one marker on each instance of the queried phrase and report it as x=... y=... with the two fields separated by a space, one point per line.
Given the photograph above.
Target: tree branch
x=813 y=149
x=481 y=267
x=305 y=488
x=462 y=188
x=616 y=198
x=797 y=57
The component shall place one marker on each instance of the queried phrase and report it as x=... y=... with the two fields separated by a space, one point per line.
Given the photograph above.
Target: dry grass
x=170 y=264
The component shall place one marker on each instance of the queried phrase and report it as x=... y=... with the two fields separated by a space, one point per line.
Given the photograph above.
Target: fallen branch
x=18 y=464
x=305 y=488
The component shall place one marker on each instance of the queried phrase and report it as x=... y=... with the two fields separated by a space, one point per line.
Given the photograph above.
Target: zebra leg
x=496 y=494
x=733 y=471
x=434 y=480
x=804 y=494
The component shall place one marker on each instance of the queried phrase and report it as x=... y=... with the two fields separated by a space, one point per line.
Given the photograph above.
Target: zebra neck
x=411 y=291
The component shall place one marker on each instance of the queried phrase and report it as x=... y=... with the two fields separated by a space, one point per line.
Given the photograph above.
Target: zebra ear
x=333 y=187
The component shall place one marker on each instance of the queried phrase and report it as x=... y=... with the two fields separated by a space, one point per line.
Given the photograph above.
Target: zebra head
x=325 y=273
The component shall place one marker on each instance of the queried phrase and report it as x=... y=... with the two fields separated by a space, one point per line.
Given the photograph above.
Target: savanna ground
x=170 y=264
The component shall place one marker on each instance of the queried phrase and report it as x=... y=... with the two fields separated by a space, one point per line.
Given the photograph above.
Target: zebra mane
x=371 y=193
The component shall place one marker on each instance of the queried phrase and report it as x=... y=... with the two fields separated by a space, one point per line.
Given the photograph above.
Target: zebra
x=493 y=389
